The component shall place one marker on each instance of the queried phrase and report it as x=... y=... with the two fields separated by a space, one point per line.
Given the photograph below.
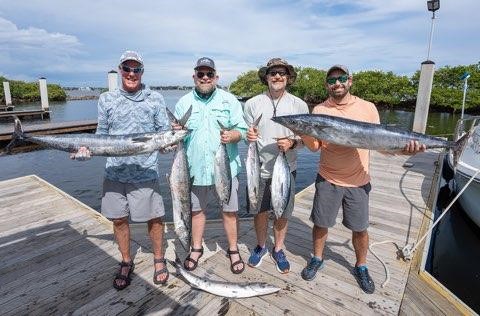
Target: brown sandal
x=234 y=264
x=127 y=278
x=189 y=259
x=161 y=271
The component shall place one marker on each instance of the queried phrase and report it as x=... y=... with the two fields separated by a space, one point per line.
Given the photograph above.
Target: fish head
x=292 y=122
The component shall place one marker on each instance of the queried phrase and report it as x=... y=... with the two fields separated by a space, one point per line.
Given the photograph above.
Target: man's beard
x=205 y=89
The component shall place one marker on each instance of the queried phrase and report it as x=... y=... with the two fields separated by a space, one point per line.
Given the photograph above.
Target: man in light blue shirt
x=211 y=105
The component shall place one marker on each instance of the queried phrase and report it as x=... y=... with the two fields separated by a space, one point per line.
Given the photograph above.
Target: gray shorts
x=265 y=196
x=205 y=197
x=142 y=201
x=328 y=199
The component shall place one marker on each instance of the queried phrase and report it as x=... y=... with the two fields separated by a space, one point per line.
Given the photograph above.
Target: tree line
x=30 y=92
x=384 y=89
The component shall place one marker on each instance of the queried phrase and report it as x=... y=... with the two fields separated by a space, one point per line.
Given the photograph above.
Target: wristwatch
x=294 y=144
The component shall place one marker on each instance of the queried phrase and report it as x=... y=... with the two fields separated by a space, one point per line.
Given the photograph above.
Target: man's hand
x=252 y=134
x=228 y=137
x=413 y=147
x=285 y=144
x=82 y=154
x=176 y=126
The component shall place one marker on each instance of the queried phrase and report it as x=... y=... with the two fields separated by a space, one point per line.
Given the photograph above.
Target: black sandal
x=189 y=259
x=234 y=264
x=127 y=278
x=161 y=271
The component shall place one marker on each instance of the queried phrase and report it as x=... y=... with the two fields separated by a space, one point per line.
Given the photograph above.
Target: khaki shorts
x=205 y=197
x=142 y=201
x=328 y=199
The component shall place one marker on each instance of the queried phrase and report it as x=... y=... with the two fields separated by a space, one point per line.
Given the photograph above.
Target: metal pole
x=431 y=36
x=465 y=85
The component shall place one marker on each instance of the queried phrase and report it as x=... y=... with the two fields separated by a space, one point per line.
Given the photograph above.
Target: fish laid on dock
x=280 y=185
x=351 y=133
x=222 y=172
x=180 y=186
x=252 y=164
x=225 y=289
x=102 y=145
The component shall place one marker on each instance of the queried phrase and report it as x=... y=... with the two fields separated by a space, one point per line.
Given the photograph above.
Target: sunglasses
x=273 y=73
x=136 y=70
x=209 y=74
x=341 y=79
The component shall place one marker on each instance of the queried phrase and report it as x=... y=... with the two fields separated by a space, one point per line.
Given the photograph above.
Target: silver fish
x=351 y=133
x=180 y=185
x=280 y=188
x=225 y=289
x=222 y=172
x=252 y=164
x=102 y=145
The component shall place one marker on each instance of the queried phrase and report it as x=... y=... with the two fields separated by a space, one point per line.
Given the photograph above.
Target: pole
x=431 y=36
x=465 y=86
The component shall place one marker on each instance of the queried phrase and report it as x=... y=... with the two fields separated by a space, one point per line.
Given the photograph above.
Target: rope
x=408 y=250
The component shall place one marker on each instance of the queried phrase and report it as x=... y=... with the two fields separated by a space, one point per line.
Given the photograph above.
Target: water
x=454 y=250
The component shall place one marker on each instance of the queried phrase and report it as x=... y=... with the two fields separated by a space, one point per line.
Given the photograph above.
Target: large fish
x=252 y=164
x=280 y=188
x=346 y=132
x=180 y=185
x=225 y=289
x=222 y=173
x=101 y=145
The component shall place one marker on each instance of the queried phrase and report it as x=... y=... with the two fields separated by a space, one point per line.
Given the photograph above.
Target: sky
x=76 y=43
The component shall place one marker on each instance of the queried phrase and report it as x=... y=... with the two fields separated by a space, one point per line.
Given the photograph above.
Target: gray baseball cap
x=205 y=62
x=131 y=55
x=338 y=67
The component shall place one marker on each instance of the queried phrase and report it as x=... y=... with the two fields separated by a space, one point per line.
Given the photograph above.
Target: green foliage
x=247 y=85
x=381 y=88
x=30 y=92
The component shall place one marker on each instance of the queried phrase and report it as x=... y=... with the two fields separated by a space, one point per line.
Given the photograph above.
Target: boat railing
x=465 y=125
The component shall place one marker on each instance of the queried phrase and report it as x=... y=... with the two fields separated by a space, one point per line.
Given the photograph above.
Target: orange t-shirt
x=341 y=165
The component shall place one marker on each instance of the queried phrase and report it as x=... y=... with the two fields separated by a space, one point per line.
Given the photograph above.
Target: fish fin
x=171 y=116
x=459 y=146
x=226 y=128
x=141 y=139
x=17 y=135
x=257 y=121
x=185 y=117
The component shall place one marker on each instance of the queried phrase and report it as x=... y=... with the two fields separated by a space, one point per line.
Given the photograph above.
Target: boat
x=467 y=166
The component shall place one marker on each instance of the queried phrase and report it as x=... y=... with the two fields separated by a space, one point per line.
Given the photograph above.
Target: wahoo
x=180 y=184
x=225 y=289
x=280 y=188
x=252 y=164
x=346 y=132
x=101 y=145
x=222 y=173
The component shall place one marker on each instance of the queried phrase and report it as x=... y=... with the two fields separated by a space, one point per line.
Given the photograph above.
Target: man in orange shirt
x=343 y=178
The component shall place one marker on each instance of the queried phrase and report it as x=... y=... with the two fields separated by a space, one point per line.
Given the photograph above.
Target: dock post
x=43 y=93
x=423 y=96
x=6 y=93
x=112 y=80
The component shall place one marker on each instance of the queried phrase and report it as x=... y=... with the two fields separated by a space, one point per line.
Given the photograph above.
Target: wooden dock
x=59 y=257
x=84 y=126
x=28 y=114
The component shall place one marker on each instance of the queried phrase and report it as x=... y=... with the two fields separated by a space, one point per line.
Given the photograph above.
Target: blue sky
x=75 y=43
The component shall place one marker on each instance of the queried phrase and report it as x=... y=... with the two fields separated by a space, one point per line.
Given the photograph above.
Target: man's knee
x=117 y=222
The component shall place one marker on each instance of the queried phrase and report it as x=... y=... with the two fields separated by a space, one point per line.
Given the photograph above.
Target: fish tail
x=459 y=146
x=17 y=136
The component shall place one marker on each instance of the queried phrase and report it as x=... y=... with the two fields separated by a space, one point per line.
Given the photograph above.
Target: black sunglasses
x=130 y=69
x=201 y=74
x=333 y=80
x=273 y=73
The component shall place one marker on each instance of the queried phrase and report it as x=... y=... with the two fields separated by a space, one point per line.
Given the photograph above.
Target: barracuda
x=346 y=132
x=180 y=185
x=252 y=164
x=280 y=185
x=101 y=145
x=225 y=289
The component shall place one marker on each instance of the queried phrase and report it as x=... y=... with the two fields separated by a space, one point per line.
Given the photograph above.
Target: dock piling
x=6 y=93
x=112 y=80
x=43 y=93
x=423 y=96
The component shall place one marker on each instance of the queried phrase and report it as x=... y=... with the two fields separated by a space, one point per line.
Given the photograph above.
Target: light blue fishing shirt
x=121 y=113
x=204 y=140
